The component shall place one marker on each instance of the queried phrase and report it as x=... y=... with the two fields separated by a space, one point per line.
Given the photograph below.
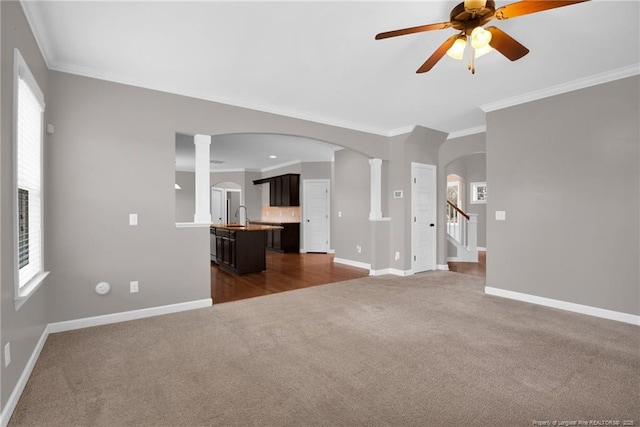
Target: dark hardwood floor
x=473 y=268
x=284 y=272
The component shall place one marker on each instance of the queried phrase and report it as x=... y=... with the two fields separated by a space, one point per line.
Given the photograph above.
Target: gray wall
x=110 y=161
x=472 y=168
x=565 y=170
x=351 y=197
x=186 y=196
x=24 y=327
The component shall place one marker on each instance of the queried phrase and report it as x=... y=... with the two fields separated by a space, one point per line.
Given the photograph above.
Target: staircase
x=462 y=234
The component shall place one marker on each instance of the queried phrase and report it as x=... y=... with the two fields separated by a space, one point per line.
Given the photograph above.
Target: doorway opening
x=226 y=199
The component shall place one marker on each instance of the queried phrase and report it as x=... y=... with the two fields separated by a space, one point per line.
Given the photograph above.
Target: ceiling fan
x=468 y=18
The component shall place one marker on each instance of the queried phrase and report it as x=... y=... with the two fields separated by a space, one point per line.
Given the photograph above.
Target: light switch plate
x=501 y=215
x=133 y=219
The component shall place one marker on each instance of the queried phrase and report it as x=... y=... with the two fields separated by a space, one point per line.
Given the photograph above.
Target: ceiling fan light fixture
x=483 y=51
x=457 y=50
x=474 y=4
x=480 y=38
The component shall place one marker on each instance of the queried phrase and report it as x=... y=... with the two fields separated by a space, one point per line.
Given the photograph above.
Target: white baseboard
x=357 y=264
x=12 y=402
x=563 y=305
x=70 y=325
x=106 y=319
x=392 y=271
x=444 y=267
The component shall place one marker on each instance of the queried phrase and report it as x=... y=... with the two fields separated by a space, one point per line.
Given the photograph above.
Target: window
x=28 y=112
x=478 y=192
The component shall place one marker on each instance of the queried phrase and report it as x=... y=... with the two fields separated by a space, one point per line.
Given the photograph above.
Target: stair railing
x=457 y=223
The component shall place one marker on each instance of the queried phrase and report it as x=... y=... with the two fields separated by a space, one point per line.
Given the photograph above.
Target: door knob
x=308 y=220
x=432 y=225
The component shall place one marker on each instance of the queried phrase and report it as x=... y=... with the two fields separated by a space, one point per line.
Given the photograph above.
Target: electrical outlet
x=133 y=219
x=339 y=214
x=359 y=248
x=7 y=354
x=397 y=256
x=133 y=286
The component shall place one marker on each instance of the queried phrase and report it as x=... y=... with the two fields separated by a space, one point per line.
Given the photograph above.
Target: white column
x=203 y=205
x=472 y=237
x=376 y=189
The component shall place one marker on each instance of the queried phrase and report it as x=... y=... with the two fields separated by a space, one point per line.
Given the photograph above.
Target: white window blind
x=29 y=111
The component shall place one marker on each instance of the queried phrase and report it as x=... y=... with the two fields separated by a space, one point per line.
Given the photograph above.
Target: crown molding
x=401 y=131
x=466 y=132
x=255 y=106
x=281 y=165
x=571 y=86
x=33 y=17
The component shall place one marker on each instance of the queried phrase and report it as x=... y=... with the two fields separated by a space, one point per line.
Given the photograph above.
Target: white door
x=316 y=215
x=423 y=212
x=216 y=205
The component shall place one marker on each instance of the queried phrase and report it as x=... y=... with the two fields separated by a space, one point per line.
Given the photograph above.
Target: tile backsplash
x=280 y=214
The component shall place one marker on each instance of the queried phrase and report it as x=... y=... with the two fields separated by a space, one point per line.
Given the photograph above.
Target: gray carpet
x=425 y=350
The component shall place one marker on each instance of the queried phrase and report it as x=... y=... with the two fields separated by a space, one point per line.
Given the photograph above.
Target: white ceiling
x=319 y=60
x=252 y=152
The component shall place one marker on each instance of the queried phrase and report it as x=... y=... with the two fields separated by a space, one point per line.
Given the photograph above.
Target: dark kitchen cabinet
x=284 y=190
x=239 y=251
x=285 y=240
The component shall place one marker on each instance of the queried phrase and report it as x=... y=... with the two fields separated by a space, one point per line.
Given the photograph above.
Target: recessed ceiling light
x=272 y=156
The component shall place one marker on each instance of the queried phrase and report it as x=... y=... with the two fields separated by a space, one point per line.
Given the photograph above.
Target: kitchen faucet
x=246 y=213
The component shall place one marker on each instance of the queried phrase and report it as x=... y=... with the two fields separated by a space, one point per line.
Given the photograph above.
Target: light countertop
x=250 y=227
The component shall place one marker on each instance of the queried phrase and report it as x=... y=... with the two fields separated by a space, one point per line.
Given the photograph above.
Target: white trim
x=202 y=145
x=192 y=224
x=466 y=132
x=571 y=86
x=403 y=130
x=37 y=28
x=383 y=219
x=375 y=193
x=21 y=71
x=392 y=271
x=12 y=402
x=444 y=267
x=563 y=305
x=29 y=289
x=357 y=264
x=124 y=316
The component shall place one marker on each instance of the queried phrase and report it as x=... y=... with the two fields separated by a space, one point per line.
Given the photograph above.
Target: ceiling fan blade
x=438 y=54
x=526 y=7
x=506 y=45
x=412 y=30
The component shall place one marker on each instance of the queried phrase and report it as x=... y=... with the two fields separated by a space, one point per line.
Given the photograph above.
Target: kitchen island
x=240 y=249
